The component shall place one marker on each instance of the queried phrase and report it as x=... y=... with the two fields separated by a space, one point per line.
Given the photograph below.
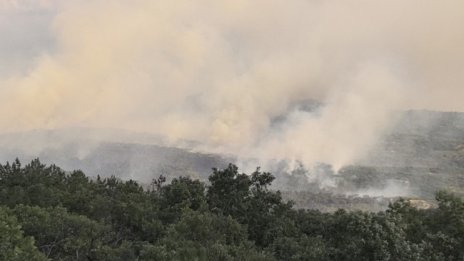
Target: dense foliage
x=46 y=213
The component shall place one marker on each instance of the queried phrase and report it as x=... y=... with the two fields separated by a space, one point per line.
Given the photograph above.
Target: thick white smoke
x=221 y=72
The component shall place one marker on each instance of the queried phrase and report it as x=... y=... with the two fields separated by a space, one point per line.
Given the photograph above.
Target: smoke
x=221 y=72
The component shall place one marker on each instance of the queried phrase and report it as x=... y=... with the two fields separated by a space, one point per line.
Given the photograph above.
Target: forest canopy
x=49 y=214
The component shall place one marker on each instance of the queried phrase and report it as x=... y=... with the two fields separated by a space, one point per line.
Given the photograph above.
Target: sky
x=234 y=76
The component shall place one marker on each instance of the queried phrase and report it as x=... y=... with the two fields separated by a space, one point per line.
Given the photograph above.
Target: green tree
x=14 y=245
x=249 y=200
x=61 y=235
x=204 y=236
x=182 y=193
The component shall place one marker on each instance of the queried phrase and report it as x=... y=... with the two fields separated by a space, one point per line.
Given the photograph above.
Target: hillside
x=122 y=154
x=423 y=153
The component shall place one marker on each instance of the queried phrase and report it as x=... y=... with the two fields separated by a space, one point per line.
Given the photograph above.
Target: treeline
x=48 y=214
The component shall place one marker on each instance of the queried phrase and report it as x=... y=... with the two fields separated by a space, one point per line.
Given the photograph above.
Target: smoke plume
x=235 y=75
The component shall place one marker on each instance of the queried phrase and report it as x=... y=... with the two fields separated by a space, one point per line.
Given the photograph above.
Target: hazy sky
x=220 y=72
x=25 y=35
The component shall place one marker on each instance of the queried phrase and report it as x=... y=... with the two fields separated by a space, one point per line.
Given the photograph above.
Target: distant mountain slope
x=96 y=154
x=423 y=139
x=425 y=149
x=423 y=153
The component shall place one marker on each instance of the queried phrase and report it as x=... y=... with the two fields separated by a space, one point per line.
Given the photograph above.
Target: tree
x=14 y=245
x=204 y=236
x=61 y=235
x=248 y=200
x=229 y=192
x=182 y=193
